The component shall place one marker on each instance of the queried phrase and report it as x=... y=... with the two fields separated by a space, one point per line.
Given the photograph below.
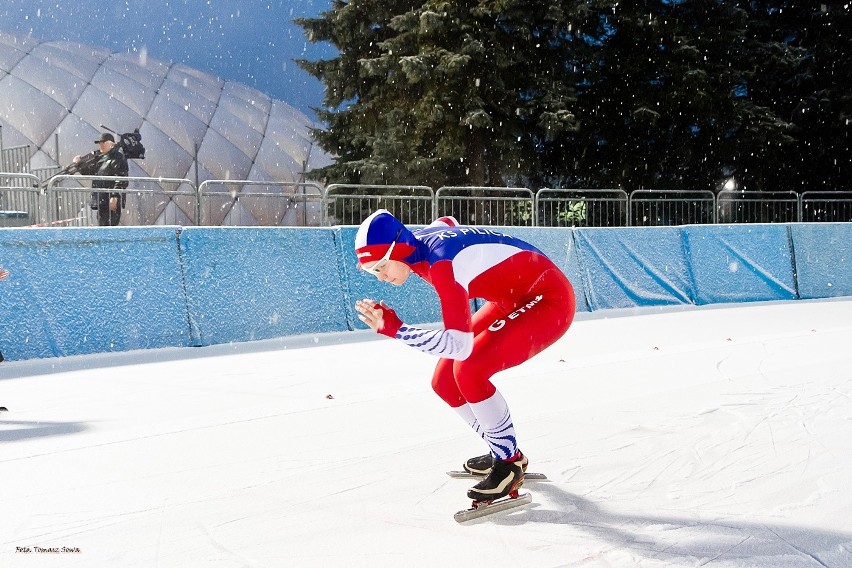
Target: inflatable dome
x=55 y=95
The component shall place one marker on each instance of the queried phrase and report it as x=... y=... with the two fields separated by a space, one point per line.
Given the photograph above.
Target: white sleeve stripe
x=446 y=343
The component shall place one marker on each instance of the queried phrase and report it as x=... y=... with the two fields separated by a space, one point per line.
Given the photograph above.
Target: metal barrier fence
x=510 y=206
x=758 y=207
x=581 y=208
x=149 y=201
x=15 y=159
x=19 y=200
x=44 y=174
x=350 y=204
x=662 y=207
x=265 y=203
x=822 y=206
x=65 y=200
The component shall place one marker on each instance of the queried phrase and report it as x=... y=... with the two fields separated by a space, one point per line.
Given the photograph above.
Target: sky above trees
x=253 y=41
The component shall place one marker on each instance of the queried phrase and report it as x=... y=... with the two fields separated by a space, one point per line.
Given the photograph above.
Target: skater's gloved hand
x=378 y=316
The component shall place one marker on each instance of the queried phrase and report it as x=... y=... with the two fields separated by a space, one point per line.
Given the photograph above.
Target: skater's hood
x=378 y=232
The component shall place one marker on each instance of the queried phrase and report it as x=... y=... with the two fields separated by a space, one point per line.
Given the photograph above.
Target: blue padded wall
x=823 y=254
x=245 y=284
x=740 y=263
x=626 y=267
x=80 y=291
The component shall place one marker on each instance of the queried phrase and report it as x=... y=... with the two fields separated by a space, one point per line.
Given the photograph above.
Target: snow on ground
x=713 y=437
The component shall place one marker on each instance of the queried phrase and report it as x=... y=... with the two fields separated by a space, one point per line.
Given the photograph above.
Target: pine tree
x=806 y=82
x=441 y=93
x=664 y=103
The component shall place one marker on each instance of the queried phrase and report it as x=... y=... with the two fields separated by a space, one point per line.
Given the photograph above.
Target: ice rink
x=719 y=436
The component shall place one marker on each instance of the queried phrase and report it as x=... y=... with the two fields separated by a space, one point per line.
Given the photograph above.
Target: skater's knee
x=474 y=385
x=448 y=392
x=444 y=384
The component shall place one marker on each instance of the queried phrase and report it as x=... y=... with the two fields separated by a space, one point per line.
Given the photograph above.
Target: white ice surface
x=716 y=437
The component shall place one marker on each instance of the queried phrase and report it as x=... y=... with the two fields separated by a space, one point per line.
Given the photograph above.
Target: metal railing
x=44 y=174
x=15 y=159
x=65 y=201
x=265 y=203
x=350 y=204
x=508 y=206
x=826 y=206
x=581 y=208
x=20 y=202
x=149 y=201
x=758 y=207
x=663 y=207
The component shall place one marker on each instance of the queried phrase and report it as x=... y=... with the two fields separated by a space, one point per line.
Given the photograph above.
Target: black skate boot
x=481 y=465
x=505 y=478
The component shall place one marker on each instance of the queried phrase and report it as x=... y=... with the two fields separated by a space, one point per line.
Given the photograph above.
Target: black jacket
x=113 y=163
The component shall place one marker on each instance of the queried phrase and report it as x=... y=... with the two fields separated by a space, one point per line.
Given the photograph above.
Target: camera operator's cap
x=105 y=137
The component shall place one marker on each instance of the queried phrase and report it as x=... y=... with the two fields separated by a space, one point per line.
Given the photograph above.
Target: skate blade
x=483 y=510
x=528 y=476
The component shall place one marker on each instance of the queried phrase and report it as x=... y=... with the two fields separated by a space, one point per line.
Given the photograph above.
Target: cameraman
x=110 y=163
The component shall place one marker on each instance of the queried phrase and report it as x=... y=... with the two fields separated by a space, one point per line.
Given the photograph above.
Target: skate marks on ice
x=748 y=471
x=621 y=539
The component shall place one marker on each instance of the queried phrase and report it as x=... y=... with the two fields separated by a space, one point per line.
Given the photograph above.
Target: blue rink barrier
x=740 y=263
x=823 y=259
x=247 y=284
x=76 y=291
x=642 y=266
x=82 y=291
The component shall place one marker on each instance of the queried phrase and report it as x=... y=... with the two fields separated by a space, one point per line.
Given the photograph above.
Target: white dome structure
x=54 y=95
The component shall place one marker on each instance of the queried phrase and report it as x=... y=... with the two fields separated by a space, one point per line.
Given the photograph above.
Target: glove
x=390 y=321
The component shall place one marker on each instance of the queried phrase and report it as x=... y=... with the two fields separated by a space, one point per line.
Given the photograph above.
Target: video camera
x=130 y=143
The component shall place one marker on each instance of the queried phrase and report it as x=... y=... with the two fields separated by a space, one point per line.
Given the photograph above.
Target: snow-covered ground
x=704 y=437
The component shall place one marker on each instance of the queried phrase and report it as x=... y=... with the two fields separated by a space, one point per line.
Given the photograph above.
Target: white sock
x=467 y=415
x=493 y=421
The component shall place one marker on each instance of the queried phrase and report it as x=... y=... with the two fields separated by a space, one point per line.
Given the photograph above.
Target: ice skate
x=481 y=465
x=505 y=478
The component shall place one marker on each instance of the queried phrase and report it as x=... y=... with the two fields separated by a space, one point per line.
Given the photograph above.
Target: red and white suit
x=529 y=304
